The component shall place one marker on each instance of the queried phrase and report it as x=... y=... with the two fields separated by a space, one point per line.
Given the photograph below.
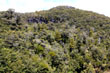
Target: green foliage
x=72 y=43
x=38 y=48
x=58 y=36
x=21 y=62
x=91 y=33
x=51 y=53
x=60 y=40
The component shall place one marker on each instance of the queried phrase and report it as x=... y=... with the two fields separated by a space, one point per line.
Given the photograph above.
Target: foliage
x=60 y=40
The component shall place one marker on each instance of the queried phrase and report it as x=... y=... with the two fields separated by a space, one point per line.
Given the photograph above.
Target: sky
x=99 y=6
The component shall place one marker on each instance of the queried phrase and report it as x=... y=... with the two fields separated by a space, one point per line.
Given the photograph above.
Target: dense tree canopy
x=60 y=40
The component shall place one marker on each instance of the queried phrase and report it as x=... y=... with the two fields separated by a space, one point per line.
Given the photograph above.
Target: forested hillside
x=60 y=40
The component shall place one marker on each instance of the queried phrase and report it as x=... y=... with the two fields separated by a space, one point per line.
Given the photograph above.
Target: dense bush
x=60 y=40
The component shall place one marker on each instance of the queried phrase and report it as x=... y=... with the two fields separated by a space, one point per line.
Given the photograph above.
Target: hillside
x=59 y=40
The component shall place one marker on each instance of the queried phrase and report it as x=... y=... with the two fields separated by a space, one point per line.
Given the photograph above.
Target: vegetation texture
x=60 y=40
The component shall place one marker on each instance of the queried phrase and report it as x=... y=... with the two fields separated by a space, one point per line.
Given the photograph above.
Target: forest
x=62 y=39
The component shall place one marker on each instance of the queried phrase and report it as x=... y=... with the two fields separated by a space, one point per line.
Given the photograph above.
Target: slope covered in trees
x=60 y=40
